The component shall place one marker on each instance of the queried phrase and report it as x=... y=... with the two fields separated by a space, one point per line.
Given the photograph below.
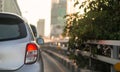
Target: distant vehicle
x=34 y=30
x=19 y=48
x=35 y=33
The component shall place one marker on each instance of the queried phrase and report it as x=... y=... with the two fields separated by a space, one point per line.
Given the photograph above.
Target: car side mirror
x=40 y=41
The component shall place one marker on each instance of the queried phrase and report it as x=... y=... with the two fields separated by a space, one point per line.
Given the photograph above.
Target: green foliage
x=101 y=21
x=82 y=61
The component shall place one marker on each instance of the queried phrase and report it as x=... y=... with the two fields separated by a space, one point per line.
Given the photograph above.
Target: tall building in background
x=44 y=25
x=58 y=11
x=41 y=27
x=9 y=6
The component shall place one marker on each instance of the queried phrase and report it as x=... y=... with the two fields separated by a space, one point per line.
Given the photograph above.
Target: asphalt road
x=51 y=65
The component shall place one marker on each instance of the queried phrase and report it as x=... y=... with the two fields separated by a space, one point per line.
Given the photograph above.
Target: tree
x=101 y=21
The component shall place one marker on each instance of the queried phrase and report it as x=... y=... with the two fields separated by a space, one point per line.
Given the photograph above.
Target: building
x=9 y=6
x=41 y=27
x=58 y=11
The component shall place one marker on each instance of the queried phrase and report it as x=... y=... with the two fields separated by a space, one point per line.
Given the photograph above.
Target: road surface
x=51 y=65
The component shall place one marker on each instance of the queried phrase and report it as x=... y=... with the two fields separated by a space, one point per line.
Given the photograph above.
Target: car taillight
x=31 y=53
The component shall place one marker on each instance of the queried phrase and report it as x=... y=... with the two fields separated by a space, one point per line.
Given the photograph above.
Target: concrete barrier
x=66 y=62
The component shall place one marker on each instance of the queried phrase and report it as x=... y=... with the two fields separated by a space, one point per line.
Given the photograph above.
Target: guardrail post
x=114 y=54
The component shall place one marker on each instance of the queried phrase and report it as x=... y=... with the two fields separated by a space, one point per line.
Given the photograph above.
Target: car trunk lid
x=12 y=55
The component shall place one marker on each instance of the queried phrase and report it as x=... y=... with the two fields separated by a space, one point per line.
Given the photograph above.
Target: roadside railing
x=66 y=62
x=106 y=51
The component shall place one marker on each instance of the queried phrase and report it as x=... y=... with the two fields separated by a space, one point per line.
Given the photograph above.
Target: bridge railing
x=107 y=51
x=103 y=50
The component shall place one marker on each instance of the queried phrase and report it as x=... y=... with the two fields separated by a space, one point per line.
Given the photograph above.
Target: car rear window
x=11 y=29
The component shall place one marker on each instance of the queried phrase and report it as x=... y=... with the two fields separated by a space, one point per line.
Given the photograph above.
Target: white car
x=19 y=49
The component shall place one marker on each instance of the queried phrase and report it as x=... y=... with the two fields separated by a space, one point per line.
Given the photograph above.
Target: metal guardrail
x=105 y=42
x=113 y=59
x=101 y=58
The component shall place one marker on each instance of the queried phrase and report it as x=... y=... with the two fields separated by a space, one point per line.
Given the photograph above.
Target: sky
x=33 y=10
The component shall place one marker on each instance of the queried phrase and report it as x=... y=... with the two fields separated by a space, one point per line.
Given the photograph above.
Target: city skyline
x=34 y=10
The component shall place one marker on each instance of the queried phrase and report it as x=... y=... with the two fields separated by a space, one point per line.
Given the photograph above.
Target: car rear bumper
x=36 y=67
